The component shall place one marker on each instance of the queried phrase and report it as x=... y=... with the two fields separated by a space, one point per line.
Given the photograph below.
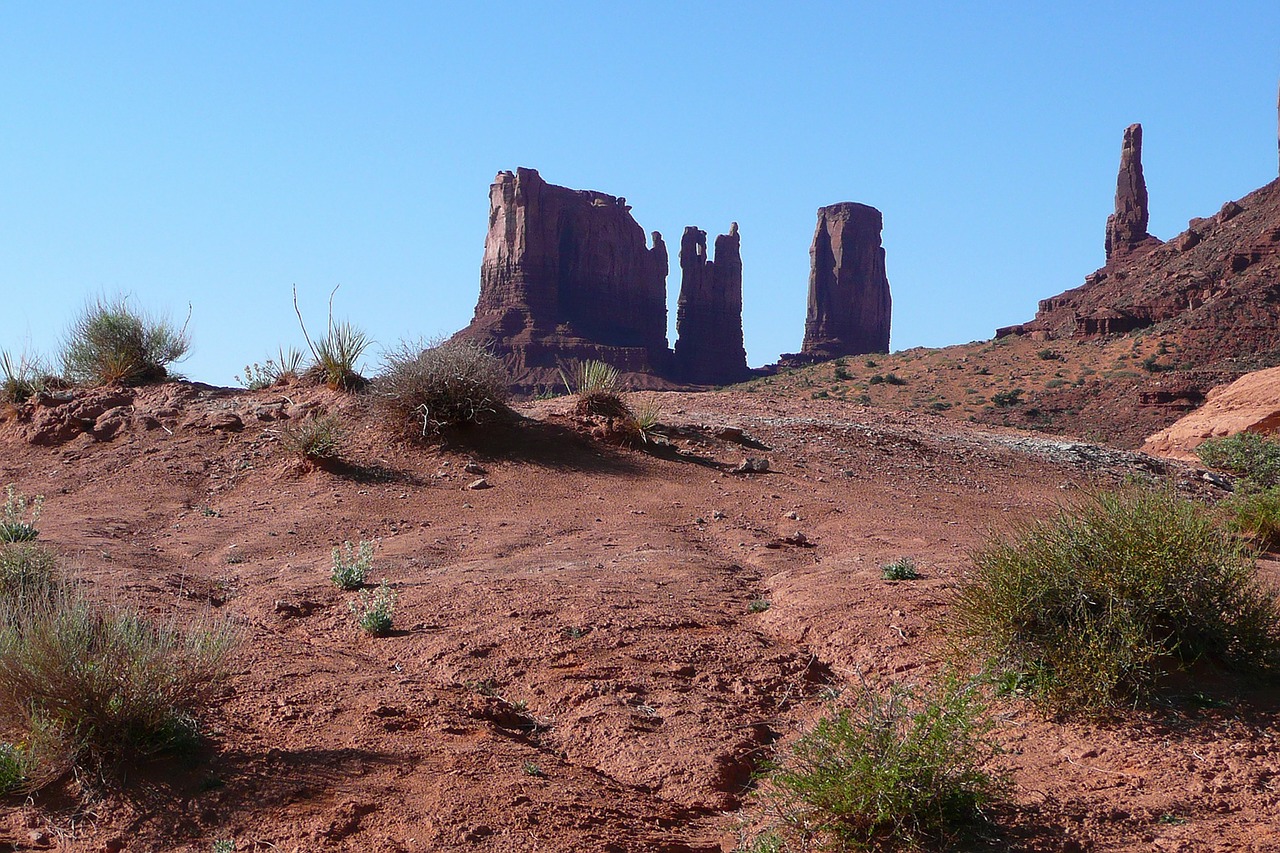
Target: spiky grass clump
x=21 y=378
x=27 y=571
x=432 y=388
x=111 y=343
x=598 y=387
x=338 y=353
x=1245 y=454
x=901 y=569
x=900 y=767
x=317 y=439
x=1092 y=608
x=19 y=516
x=109 y=682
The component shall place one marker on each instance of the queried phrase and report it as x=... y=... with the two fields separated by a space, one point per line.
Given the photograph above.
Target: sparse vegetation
x=1007 y=399
x=21 y=379
x=318 y=439
x=18 y=522
x=285 y=367
x=1255 y=514
x=374 y=611
x=759 y=605
x=27 y=570
x=899 y=767
x=901 y=569
x=1048 y=355
x=436 y=387
x=112 y=343
x=351 y=564
x=1093 y=607
x=1245 y=454
x=646 y=415
x=15 y=767
x=102 y=679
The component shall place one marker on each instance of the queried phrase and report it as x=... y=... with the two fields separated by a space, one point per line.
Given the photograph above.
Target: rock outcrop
x=849 y=304
x=1127 y=227
x=1249 y=404
x=709 y=347
x=566 y=277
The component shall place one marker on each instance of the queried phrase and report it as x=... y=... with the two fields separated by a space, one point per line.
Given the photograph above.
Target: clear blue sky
x=219 y=153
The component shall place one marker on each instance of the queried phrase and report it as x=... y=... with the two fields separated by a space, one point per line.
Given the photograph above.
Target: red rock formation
x=1127 y=227
x=849 y=302
x=566 y=277
x=709 y=347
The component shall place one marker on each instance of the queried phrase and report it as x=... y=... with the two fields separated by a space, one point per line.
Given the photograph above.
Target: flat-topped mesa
x=849 y=302
x=1127 y=227
x=566 y=277
x=709 y=347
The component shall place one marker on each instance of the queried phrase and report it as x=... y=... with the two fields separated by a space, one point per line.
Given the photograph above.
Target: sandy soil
x=577 y=665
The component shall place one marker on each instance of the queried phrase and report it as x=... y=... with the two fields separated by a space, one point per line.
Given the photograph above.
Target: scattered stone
x=482 y=483
x=752 y=465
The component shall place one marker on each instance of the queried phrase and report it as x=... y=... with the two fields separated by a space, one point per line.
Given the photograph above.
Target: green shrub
x=1255 y=514
x=351 y=564
x=1007 y=399
x=842 y=373
x=110 y=682
x=894 y=379
x=111 y=343
x=18 y=522
x=598 y=387
x=1245 y=454
x=317 y=439
x=901 y=569
x=898 y=768
x=374 y=611
x=441 y=386
x=1093 y=607
x=1048 y=355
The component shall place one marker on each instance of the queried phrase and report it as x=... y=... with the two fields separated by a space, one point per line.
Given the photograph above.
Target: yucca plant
x=21 y=378
x=19 y=516
x=337 y=354
x=598 y=387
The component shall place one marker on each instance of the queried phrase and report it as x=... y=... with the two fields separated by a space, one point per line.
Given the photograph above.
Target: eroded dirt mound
x=1250 y=404
x=595 y=652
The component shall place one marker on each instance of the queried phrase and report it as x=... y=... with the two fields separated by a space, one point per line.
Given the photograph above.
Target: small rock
x=482 y=483
x=718 y=514
x=752 y=464
x=793 y=515
x=729 y=433
x=39 y=838
x=288 y=610
x=474 y=468
x=113 y=845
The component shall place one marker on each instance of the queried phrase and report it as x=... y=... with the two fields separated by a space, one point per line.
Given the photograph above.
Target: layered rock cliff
x=849 y=303
x=709 y=348
x=566 y=277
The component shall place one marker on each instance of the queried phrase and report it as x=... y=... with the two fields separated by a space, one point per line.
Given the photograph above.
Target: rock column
x=1127 y=227
x=849 y=303
x=709 y=348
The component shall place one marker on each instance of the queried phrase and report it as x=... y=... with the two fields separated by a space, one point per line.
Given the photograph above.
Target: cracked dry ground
x=577 y=666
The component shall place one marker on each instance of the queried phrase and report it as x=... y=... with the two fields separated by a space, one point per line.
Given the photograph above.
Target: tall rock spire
x=849 y=304
x=1127 y=227
x=709 y=347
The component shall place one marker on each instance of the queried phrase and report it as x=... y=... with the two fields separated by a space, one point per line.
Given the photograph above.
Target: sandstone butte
x=567 y=276
x=1250 y=404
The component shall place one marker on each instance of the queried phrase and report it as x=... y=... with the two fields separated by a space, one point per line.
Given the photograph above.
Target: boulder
x=709 y=348
x=849 y=303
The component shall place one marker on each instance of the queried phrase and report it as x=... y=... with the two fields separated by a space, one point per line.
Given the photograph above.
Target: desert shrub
x=901 y=569
x=110 y=682
x=15 y=767
x=285 y=367
x=842 y=372
x=876 y=379
x=21 y=378
x=19 y=517
x=351 y=564
x=1006 y=399
x=111 y=343
x=317 y=439
x=900 y=767
x=598 y=387
x=336 y=355
x=27 y=570
x=441 y=386
x=1245 y=454
x=894 y=379
x=1255 y=514
x=374 y=611
x=1048 y=355
x=1091 y=608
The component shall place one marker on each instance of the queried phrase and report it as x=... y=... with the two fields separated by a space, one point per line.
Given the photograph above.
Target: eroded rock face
x=1127 y=227
x=566 y=277
x=1249 y=404
x=849 y=303
x=709 y=347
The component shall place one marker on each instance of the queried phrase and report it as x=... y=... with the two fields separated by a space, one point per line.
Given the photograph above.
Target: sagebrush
x=430 y=388
x=111 y=342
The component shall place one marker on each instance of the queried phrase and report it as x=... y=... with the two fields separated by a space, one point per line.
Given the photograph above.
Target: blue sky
x=218 y=154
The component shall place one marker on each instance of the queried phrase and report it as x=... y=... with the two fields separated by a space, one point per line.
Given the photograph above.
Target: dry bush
x=431 y=388
x=317 y=439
